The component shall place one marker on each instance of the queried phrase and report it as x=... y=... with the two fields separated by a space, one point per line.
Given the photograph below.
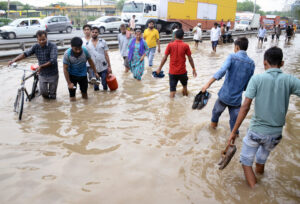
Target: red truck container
x=269 y=21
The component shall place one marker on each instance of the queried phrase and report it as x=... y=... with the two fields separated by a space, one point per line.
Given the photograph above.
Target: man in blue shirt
x=261 y=35
x=238 y=68
x=75 y=68
x=271 y=91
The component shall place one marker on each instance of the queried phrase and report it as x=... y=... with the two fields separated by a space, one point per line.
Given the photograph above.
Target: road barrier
x=11 y=50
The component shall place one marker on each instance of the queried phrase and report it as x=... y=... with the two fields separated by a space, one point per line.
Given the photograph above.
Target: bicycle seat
x=33 y=67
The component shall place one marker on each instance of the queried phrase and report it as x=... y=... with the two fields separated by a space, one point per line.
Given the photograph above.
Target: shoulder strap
x=69 y=53
x=85 y=51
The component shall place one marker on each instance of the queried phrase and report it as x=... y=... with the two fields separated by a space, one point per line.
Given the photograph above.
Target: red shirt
x=178 y=50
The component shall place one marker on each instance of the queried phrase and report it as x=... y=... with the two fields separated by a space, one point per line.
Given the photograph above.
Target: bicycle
x=19 y=102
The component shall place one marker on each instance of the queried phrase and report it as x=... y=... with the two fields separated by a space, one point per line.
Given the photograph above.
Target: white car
x=23 y=27
x=107 y=23
x=243 y=25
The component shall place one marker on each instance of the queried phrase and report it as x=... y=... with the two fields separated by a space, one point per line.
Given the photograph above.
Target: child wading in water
x=178 y=50
x=271 y=91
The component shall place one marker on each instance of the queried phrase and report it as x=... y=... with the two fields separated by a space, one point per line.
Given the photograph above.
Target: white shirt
x=98 y=54
x=215 y=34
x=198 y=33
x=85 y=43
x=132 y=23
x=228 y=24
x=123 y=44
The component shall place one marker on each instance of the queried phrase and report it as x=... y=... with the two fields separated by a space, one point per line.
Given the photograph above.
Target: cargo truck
x=269 y=21
x=185 y=13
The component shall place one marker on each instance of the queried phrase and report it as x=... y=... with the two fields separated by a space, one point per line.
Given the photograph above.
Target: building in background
x=101 y=2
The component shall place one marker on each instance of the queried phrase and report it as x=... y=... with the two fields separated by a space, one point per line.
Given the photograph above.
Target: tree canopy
x=248 y=5
x=120 y=5
x=62 y=4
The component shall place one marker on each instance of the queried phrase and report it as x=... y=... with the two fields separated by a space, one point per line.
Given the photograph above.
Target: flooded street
x=136 y=145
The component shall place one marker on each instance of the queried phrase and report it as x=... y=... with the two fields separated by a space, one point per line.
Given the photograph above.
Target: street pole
x=8 y=4
x=81 y=4
x=254 y=9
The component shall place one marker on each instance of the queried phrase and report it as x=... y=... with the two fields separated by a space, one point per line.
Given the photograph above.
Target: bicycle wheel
x=16 y=104
x=20 y=104
x=34 y=89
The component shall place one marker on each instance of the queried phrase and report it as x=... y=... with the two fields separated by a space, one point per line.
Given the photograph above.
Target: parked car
x=58 y=24
x=107 y=23
x=22 y=27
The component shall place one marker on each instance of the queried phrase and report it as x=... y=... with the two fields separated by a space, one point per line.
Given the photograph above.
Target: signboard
x=268 y=22
x=207 y=11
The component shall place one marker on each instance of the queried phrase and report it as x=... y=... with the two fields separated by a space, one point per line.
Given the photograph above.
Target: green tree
x=27 y=7
x=3 y=5
x=62 y=4
x=247 y=6
x=120 y=5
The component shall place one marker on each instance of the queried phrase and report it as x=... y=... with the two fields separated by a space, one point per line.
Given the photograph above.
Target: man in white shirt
x=228 y=25
x=197 y=35
x=123 y=46
x=87 y=29
x=98 y=49
x=132 y=23
x=215 y=34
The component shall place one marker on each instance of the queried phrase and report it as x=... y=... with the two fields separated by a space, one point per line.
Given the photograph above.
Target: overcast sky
x=267 y=5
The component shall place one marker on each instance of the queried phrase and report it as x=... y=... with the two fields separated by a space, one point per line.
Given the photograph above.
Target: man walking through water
x=123 y=40
x=98 y=50
x=46 y=53
x=87 y=29
x=238 y=68
x=215 y=34
x=75 y=70
x=178 y=50
x=151 y=36
x=228 y=25
x=271 y=91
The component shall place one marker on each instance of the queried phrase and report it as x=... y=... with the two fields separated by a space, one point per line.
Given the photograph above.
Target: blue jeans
x=259 y=146
x=214 y=44
x=151 y=55
x=219 y=109
x=102 y=75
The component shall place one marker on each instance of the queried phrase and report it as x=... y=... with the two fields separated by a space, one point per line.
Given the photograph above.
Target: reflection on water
x=136 y=145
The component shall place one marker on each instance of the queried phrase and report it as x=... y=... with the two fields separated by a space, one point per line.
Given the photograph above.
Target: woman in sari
x=137 y=50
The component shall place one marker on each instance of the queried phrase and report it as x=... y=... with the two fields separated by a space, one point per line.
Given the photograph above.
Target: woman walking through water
x=137 y=50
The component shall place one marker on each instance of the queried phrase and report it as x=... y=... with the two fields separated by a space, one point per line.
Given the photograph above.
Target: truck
x=269 y=21
x=247 y=21
x=184 y=13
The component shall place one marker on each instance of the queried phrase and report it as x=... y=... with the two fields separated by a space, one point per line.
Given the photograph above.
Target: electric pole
x=254 y=9
x=8 y=4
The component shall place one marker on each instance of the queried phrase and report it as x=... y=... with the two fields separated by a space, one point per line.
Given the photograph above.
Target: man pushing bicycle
x=46 y=53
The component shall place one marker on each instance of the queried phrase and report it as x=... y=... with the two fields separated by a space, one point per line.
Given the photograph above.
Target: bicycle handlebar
x=15 y=66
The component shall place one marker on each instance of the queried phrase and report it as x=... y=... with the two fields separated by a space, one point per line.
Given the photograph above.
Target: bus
x=25 y=14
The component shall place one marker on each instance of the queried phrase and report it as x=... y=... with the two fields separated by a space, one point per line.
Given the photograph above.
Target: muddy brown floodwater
x=136 y=145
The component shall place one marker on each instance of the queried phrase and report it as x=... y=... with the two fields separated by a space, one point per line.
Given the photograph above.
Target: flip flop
x=160 y=75
x=227 y=156
x=94 y=81
x=204 y=100
x=197 y=100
